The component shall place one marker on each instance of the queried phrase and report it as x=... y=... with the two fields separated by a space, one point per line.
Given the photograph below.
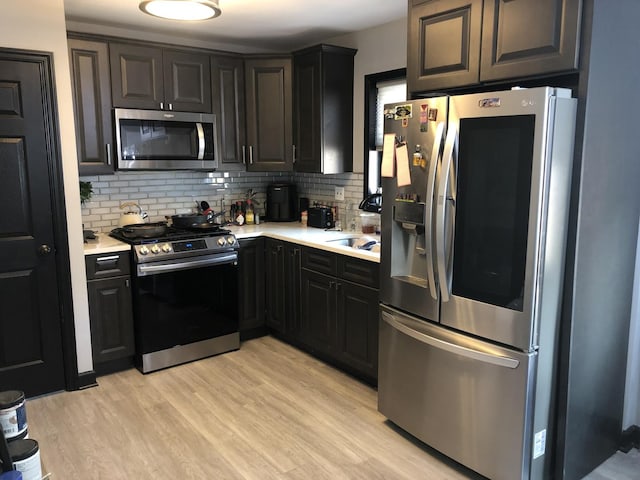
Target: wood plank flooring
x=267 y=411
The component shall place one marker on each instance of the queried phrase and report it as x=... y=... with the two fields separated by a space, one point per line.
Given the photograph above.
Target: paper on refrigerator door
x=402 y=160
x=388 y=154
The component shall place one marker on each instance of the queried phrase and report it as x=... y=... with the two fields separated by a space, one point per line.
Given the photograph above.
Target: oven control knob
x=144 y=250
x=166 y=248
x=231 y=240
x=155 y=249
x=221 y=241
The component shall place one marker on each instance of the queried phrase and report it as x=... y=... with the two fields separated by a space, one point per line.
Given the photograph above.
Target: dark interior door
x=31 y=357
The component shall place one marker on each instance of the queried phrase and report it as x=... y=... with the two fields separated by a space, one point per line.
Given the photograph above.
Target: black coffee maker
x=372 y=203
x=282 y=202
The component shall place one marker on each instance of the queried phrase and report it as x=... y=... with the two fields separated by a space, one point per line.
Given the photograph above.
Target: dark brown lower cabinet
x=282 y=264
x=357 y=327
x=339 y=317
x=110 y=311
x=251 y=288
x=318 y=321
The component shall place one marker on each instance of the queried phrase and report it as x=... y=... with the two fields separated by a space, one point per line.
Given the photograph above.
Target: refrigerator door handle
x=450 y=146
x=428 y=223
x=467 y=352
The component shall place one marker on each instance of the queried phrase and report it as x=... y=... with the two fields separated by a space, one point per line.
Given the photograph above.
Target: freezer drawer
x=469 y=399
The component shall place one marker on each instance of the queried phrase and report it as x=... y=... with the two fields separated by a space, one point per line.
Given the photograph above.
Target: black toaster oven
x=320 y=217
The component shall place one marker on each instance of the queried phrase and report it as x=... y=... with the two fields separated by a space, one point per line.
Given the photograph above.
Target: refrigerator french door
x=472 y=375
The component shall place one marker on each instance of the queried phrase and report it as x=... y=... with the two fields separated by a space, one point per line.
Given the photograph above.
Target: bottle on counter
x=249 y=215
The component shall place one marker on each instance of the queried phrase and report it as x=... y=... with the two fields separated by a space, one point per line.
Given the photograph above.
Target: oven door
x=152 y=140
x=185 y=308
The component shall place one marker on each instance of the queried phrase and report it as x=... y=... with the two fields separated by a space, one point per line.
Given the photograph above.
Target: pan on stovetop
x=144 y=230
x=186 y=220
x=194 y=222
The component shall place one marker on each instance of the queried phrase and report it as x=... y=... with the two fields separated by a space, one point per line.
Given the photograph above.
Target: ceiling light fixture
x=182 y=9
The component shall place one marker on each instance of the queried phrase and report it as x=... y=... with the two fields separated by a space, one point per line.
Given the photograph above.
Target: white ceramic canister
x=25 y=455
x=13 y=414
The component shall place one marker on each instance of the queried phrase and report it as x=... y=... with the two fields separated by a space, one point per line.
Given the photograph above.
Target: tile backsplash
x=168 y=193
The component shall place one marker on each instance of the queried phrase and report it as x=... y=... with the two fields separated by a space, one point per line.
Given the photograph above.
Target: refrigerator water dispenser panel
x=409 y=212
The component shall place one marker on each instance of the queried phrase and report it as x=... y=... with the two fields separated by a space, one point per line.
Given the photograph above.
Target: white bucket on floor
x=25 y=455
x=13 y=414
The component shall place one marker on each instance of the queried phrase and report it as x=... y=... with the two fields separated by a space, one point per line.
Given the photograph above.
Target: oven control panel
x=185 y=248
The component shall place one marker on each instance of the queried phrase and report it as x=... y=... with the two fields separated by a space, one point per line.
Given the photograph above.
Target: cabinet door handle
x=127 y=283
x=161 y=105
x=244 y=157
x=294 y=153
x=108 y=148
x=171 y=106
x=250 y=154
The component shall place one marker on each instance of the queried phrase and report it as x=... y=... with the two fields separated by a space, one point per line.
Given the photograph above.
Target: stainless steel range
x=185 y=294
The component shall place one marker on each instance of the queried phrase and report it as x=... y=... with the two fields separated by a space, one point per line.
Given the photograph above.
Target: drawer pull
x=110 y=259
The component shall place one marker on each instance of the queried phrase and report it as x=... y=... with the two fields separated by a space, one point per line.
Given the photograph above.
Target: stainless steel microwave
x=157 y=140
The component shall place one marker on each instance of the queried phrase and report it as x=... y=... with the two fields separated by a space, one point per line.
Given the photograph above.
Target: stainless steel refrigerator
x=474 y=223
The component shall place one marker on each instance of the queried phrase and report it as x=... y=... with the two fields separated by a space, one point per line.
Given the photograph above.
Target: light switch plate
x=339 y=193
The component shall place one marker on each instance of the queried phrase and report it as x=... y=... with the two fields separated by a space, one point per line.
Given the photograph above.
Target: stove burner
x=170 y=235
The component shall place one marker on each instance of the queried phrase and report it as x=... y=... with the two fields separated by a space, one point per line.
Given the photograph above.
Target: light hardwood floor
x=267 y=411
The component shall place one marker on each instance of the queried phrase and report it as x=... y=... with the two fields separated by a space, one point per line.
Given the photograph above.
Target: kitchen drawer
x=107 y=265
x=359 y=271
x=320 y=261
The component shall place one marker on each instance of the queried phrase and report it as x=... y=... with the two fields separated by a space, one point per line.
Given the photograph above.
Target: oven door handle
x=145 y=269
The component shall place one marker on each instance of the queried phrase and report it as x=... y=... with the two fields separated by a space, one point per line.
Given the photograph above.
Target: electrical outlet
x=339 y=193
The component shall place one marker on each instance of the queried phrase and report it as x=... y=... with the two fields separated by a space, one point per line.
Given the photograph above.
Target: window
x=380 y=88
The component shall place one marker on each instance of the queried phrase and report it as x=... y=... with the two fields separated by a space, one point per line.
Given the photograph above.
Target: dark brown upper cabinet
x=160 y=79
x=227 y=87
x=269 y=144
x=89 y=61
x=443 y=44
x=528 y=37
x=323 y=109
x=457 y=43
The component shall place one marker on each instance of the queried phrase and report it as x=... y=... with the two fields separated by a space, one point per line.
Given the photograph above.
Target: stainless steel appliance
x=471 y=265
x=160 y=140
x=185 y=295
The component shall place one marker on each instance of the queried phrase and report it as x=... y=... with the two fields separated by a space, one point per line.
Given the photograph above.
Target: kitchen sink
x=362 y=243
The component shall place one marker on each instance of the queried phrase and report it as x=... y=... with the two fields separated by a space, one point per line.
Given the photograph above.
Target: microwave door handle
x=201 y=141
x=446 y=182
x=428 y=221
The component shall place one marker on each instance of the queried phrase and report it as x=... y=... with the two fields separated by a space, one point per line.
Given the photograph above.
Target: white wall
x=380 y=49
x=40 y=25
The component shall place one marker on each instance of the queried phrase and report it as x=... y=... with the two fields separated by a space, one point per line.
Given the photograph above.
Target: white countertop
x=311 y=237
x=290 y=232
x=104 y=244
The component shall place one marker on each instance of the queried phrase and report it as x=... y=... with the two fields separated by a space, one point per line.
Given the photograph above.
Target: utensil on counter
x=206 y=209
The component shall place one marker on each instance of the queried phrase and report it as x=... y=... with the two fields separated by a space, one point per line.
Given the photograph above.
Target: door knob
x=44 y=249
